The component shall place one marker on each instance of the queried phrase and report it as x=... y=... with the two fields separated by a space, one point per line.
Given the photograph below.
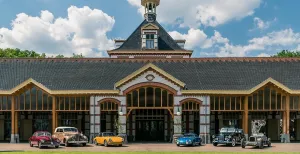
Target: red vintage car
x=43 y=139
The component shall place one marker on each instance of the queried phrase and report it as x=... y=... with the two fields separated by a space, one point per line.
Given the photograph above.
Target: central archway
x=150 y=113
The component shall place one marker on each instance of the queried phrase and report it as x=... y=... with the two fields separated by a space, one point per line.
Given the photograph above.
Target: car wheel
x=243 y=144
x=269 y=144
x=261 y=145
x=84 y=144
x=96 y=143
x=31 y=145
x=40 y=145
x=233 y=143
x=56 y=146
x=194 y=143
x=120 y=145
x=105 y=143
x=67 y=144
x=199 y=143
x=178 y=145
x=215 y=144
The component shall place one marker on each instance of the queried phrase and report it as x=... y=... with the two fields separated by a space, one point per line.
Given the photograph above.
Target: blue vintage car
x=189 y=139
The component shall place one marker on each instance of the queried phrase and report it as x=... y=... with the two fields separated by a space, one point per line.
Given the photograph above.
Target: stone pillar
x=205 y=120
x=177 y=127
x=94 y=118
x=14 y=138
x=54 y=114
x=122 y=120
x=245 y=118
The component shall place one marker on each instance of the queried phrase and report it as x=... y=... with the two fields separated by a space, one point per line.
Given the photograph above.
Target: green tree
x=77 y=55
x=287 y=53
x=17 y=53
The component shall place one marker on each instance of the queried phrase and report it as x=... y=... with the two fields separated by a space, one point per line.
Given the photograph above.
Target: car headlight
x=42 y=141
x=190 y=140
x=229 y=136
x=259 y=139
x=213 y=136
x=109 y=140
x=122 y=139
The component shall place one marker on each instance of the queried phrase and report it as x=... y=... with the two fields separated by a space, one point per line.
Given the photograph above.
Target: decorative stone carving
x=256 y=126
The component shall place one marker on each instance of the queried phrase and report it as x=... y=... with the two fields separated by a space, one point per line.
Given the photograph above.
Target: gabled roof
x=147 y=67
x=201 y=75
x=134 y=41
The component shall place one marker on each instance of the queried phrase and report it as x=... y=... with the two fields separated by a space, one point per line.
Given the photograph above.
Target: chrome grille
x=252 y=139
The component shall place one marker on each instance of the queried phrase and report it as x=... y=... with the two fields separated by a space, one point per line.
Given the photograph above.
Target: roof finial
x=150 y=9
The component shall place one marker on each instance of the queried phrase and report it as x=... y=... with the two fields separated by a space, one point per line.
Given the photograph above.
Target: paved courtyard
x=276 y=147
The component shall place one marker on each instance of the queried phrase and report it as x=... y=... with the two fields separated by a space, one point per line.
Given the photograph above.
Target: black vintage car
x=229 y=136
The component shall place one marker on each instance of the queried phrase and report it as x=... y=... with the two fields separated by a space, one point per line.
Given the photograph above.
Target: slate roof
x=197 y=74
x=134 y=41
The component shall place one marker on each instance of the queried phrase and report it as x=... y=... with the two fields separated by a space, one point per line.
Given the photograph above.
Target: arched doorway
x=109 y=115
x=150 y=114
x=190 y=116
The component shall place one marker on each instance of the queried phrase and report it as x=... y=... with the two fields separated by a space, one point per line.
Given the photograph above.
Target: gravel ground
x=149 y=147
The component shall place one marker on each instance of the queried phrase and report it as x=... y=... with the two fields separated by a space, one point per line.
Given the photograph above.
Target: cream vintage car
x=70 y=135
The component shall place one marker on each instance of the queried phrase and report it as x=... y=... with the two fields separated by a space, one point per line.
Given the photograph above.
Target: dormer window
x=150 y=41
x=149 y=36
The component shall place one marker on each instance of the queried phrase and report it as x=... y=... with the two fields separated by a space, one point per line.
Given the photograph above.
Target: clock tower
x=150 y=9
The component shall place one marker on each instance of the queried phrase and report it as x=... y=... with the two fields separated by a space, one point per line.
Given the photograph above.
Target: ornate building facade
x=150 y=89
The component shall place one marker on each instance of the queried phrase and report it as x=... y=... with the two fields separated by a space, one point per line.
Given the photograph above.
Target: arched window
x=150 y=97
x=33 y=98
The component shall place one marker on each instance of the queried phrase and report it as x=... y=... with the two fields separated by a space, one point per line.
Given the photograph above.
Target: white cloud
x=260 y=24
x=83 y=31
x=263 y=55
x=196 y=38
x=274 y=41
x=193 y=13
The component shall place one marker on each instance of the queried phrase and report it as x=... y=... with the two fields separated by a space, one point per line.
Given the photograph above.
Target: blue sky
x=223 y=28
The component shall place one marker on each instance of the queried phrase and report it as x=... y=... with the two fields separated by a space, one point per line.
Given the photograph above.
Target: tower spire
x=150 y=9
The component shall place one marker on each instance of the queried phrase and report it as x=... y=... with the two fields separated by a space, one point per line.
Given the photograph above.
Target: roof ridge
x=154 y=59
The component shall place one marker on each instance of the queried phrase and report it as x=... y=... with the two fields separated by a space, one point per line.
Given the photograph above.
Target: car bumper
x=115 y=143
x=184 y=143
x=251 y=144
x=77 y=142
x=49 y=144
x=222 y=142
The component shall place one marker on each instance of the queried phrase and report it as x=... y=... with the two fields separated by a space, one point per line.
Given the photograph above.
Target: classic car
x=257 y=140
x=107 y=139
x=43 y=139
x=189 y=139
x=70 y=135
x=229 y=136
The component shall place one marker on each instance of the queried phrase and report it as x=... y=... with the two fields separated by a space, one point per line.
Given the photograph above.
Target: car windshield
x=70 y=130
x=227 y=130
x=108 y=134
x=43 y=134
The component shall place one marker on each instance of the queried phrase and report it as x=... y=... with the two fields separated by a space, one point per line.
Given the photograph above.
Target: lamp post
x=178 y=112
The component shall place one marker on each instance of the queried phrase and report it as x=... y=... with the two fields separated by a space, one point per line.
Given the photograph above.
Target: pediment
x=150 y=73
x=150 y=26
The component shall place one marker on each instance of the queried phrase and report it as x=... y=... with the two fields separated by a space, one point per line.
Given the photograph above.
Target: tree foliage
x=17 y=53
x=287 y=53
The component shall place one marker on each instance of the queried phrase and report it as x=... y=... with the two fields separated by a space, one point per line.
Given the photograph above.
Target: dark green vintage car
x=229 y=136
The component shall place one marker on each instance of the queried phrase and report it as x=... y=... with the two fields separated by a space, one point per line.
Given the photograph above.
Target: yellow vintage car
x=107 y=139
